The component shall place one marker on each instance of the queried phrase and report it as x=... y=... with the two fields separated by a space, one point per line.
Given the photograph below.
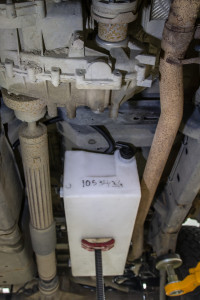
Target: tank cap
x=127 y=151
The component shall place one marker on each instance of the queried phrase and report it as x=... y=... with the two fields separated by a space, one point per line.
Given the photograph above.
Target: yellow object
x=189 y=284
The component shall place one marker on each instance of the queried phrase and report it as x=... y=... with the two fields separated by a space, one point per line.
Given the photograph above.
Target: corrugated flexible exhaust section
x=178 y=33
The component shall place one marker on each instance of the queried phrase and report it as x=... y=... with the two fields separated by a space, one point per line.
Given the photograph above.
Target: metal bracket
x=189 y=61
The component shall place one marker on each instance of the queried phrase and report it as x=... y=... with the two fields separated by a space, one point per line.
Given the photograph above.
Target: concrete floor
x=70 y=290
x=124 y=296
x=116 y=295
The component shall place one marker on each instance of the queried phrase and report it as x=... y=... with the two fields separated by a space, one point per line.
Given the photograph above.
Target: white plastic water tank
x=101 y=197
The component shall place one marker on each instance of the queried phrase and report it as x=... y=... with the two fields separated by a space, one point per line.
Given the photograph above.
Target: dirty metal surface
x=86 y=294
x=134 y=112
x=73 y=291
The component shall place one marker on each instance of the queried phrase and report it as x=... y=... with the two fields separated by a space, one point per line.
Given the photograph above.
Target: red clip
x=98 y=244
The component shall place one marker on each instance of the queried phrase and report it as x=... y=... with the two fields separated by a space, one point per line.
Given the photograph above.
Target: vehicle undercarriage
x=99 y=149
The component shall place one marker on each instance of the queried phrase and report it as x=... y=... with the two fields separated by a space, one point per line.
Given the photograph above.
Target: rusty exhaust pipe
x=177 y=35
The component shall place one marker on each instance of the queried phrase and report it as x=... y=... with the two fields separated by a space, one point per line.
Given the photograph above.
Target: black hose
x=15 y=144
x=100 y=129
x=107 y=137
x=52 y=121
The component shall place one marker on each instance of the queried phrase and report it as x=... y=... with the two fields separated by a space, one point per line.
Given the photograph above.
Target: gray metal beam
x=174 y=203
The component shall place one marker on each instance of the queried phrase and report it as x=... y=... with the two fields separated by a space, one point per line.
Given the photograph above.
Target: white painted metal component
x=9 y=69
x=101 y=196
x=77 y=47
x=31 y=74
x=55 y=76
x=146 y=59
x=98 y=75
x=110 y=45
x=10 y=10
x=21 y=15
x=114 y=12
x=95 y=75
x=141 y=81
x=43 y=55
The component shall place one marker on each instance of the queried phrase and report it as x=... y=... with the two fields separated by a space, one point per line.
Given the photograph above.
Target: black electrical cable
x=104 y=132
x=15 y=144
x=127 y=151
x=52 y=121
x=27 y=291
x=100 y=129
